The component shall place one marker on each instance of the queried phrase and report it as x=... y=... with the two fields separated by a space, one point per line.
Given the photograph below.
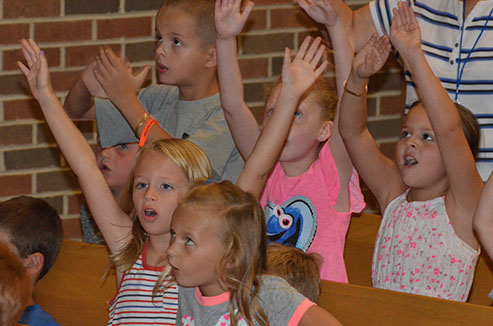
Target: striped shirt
x=134 y=304
x=441 y=25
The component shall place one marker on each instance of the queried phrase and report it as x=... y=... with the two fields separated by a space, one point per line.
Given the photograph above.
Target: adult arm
x=229 y=22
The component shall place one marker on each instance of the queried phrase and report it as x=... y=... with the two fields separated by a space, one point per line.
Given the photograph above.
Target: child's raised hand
x=298 y=75
x=320 y=11
x=36 y=71
x=372 y=56
x=114 y=75
x=405 y=33
x=229 y=18
x=91 y=83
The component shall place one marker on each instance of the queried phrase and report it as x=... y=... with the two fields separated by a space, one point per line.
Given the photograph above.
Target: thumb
x=141 y=76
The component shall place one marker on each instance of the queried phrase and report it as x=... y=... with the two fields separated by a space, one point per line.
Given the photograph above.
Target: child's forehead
x=169 y=18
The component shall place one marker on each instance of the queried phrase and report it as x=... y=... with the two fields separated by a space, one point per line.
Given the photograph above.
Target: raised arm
x=379 y=173
x=229 y=22
x=112 y=221
x=322 y=12
x=483 y=218
x=297 y=76
x=121 y=87
x=465 y=184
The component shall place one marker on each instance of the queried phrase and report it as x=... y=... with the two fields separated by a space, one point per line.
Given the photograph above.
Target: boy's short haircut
x=32 y=226
x=203 y=13
x=300 y=269
x=15 y=286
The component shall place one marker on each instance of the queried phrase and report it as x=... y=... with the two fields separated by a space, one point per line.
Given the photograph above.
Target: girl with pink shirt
x=312 y=189
x=428 y=195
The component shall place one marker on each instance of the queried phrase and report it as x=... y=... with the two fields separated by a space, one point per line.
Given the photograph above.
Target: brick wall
x=70 y=32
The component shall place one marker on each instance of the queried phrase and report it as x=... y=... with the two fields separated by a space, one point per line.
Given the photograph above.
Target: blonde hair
x=300 y=269
x=243 y=235
x=15 y=286
x=194 y=164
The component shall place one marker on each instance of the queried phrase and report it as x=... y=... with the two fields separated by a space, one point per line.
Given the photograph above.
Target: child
x=138 y=233
x=217 y=254
x=300 y=269
x=312 y=190
x=15 y=286
x=115 y=163
x=187 y=105
x=425 y=244
x=33 y=230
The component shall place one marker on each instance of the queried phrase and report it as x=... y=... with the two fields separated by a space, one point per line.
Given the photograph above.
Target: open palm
x=320 y=11
x=229 y=19
x=405 y=33
x=372 y=56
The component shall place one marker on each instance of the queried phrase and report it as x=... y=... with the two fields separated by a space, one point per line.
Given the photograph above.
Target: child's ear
x=211 y=58
x=325 y=131
x=34 y=264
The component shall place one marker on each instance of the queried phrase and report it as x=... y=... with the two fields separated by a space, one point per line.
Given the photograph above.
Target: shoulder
x=158 y=91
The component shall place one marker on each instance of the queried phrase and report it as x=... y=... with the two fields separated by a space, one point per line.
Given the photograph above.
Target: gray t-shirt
x=281 y=303
x=201 y=121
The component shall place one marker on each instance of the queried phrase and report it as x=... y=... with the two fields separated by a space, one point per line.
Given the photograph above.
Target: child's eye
x=405 y=134
x=176 y=42
x=297 y=114
x=158 y=38
x=173 y=234
x=269 y=112
x=190 y=242
x=122 y=146
x=166 y=186
x=140 y=185
x=427 y=137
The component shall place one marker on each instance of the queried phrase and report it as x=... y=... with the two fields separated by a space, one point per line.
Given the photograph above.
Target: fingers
x=23 y=68
x=321 y=68
x=246 y=10
x=313 y=50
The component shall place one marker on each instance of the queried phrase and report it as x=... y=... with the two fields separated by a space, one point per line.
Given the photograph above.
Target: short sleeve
x=215 y=139
x=282 y=304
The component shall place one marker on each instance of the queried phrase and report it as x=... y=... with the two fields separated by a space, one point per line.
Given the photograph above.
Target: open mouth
x=410 y=161
x=104 y=168
x=149 y=212
x=161 y=68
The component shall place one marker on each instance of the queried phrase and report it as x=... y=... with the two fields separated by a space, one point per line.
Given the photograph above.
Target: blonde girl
x=137 y=235
x=428 y=195
x=218 y=257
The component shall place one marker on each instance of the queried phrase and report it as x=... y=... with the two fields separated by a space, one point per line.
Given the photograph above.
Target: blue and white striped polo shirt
x=441 y=25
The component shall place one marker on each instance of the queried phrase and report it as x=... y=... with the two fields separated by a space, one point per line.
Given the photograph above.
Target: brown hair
x=202 y=12
x=33 y=226
x=243 y=236
x=15 y=286
x=470 y=126
x=194 y=164
x=299 y=268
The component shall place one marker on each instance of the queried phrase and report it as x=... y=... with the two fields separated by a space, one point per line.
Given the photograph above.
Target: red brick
x=258 y=112
x=384 y=128
x=371 y=106
x=142 y=51
x=257 y=44
x=84 y=55
x=29 y=8
x=32 y=158
x=64 y=80
x=72 y=229
x=44 y=135
x=56 y=202
x=56 y=181
x=10 y=58
x=91 y=7
x=62 y=31
x=16 y=135
x=254 y=92
x=291 y=17
x=392 y=104
x=75 y=203
x=254 y=68
x=14 y=84
x=386 y=82
x=134 y=5
x=125 y=27
x=12 y=33
x=22 y=109
x=14 y=185
x=256 y=20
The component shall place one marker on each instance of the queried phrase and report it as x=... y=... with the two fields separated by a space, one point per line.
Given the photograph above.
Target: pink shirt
x=300 y=211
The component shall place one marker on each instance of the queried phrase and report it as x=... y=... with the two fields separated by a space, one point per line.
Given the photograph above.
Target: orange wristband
x=143 y=137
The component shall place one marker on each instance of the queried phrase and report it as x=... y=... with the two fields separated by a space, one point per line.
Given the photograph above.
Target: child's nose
x=149 y=194
x=160 y=50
